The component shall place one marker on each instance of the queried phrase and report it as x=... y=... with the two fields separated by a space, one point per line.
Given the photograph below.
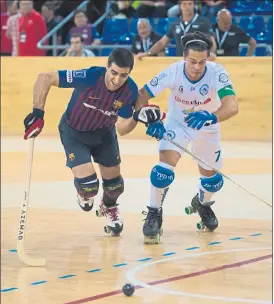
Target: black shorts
x=102 y=145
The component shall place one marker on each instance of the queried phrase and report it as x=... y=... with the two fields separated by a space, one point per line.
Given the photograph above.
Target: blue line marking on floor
x=168 y=253
x=145 y=259
x=38 y=283
x=94 y=270
x=124 y=264
x=192 y=248
x=213 y=243
x=236 y=238
x=8 y=289
x=119 y=265
x=67 y=276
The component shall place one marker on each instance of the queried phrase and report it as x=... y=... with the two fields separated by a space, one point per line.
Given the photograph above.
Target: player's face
x=144 y=30
x=80 y=20
x=195 y=64
x=115 y=77
x=187 y=7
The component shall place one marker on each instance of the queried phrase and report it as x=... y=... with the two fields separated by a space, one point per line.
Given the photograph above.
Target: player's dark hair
x=189 y=42
x=77 y=36
x=122 y=57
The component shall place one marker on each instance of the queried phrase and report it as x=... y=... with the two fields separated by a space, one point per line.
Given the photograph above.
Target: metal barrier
x=53 y=32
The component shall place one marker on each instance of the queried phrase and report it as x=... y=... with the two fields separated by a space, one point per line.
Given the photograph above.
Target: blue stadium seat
x=244 y=23
x=170 y=51
x=265 y=7
x=258 y=22
x=243 y=51
x=106 y=52
x=260 y=51
x=269 y=25
x=161 y=26
x=113 y=29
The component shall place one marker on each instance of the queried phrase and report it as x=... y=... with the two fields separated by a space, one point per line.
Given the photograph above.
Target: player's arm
x=129 y=116
x=227 y=95
x=34 y=122
x=42 y=87
x=228 y=109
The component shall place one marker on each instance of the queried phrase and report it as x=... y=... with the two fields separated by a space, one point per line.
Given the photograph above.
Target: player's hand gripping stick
x=34 y=123
x=149 y=114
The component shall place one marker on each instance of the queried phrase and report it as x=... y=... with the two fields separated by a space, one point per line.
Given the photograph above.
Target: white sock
x=203 y=195
x=157 y=195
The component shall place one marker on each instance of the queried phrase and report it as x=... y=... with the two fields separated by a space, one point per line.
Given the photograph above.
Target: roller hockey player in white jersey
x=201 y=98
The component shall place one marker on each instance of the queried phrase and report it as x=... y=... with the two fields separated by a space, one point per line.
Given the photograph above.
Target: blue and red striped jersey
x=92 y=106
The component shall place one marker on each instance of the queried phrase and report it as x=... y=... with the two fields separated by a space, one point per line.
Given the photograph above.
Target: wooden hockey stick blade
x=212 y=168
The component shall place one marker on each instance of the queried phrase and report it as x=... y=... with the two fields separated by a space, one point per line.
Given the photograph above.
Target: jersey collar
x=196 y=81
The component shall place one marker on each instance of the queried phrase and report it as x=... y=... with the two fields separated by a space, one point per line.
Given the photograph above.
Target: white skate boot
x=114 y=225
x=85 y=203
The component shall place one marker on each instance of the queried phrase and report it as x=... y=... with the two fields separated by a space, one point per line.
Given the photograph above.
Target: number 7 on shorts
x=218 y=155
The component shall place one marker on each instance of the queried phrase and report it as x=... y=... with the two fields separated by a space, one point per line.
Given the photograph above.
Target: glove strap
x=38 y=113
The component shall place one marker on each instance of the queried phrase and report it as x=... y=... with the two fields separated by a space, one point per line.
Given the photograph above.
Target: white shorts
x=205 y=143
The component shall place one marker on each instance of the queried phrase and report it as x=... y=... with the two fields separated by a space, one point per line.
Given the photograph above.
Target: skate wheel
x=99 y=213
x=189 y=210
x=158 y=237
x=200 y=226
x=107 y=230
x=152 y=240
x=161 y=232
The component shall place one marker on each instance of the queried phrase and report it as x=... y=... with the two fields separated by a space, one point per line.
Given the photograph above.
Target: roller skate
x=152 y=228
x=85 y=203
x=208 y=218
x=115 y=224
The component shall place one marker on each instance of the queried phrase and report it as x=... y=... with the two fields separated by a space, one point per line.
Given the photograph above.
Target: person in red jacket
x=32 y=28
x=6 y=44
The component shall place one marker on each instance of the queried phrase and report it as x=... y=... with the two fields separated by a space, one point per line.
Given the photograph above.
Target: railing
x=267 y=46
x=53 y=32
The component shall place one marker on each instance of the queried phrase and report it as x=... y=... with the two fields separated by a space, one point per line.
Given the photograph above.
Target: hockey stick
x=23 y=256
x=228 y=178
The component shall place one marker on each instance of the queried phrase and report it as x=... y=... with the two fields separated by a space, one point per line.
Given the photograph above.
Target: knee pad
x=87 y=187
x=213 y=183
x=113 y=188
x=161 y=177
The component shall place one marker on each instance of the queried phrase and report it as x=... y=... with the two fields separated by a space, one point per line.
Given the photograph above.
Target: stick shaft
x=212 y=168
x=24 y=207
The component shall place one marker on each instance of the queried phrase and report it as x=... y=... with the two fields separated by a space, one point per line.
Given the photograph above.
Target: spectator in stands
x=32 y=28
x=188 y=23
x=175 y=10
x=145 y=38
x=228 y=36
x=6 y=42
x=160 y=7
x=122 y=9
x=84 y=28
x=48 y=14
x=211 y=7
x=77 y=48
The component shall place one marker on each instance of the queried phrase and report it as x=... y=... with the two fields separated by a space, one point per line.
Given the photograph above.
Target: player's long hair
x=196 y=41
